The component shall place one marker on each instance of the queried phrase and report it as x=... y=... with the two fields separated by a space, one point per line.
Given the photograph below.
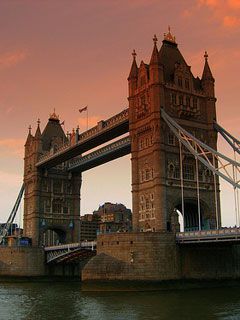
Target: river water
x=72 y=300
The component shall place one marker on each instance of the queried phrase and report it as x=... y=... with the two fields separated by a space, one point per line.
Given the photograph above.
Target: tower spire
x=29 y=137
x=38 y=131
x=207 y=78
x=169 y=37
x=54 y=116
x=207 y=73
x=154 y=57
x=134 y=69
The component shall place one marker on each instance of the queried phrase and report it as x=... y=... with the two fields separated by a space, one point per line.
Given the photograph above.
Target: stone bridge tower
x=52 y=197
x=167 y=82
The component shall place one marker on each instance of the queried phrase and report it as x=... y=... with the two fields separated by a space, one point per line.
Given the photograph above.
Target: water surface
x=71 y=300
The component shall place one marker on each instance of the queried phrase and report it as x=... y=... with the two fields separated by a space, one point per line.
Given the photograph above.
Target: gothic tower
x=52 y=197
x=167 y=82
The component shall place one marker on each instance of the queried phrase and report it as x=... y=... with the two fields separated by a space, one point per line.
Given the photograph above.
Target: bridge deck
x=207 y=236
x=110 y=152
x=70 y=252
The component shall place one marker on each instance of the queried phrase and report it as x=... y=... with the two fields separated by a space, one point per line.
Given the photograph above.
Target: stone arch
x=53 y=236
x=191 y=218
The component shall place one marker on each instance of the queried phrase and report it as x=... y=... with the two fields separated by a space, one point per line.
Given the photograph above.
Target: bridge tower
x=163 y=182
x=52 y=197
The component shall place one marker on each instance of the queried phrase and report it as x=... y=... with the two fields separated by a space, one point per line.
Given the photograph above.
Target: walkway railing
x=61 y=252
x=70 y=246
x=100 y=152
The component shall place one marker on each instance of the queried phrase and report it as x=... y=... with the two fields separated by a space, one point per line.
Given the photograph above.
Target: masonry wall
x=134 y=256
x=210 y=261
x=156 y=257
x=22 y=261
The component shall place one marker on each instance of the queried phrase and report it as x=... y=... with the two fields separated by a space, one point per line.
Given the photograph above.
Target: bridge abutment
x=157 y=257
x=134 y=256
x=22 y=261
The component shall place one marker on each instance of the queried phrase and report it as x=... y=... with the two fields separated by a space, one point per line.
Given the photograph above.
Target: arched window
x=171 y=170
x=147 y=174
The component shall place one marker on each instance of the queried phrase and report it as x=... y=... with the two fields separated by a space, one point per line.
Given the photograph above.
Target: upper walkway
x=104 y=131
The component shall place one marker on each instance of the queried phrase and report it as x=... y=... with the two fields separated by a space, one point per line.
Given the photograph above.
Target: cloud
x=235 y=4
x=9 y=147
x=11 y=59
x=231 y=22
x=227 y=13
x=209 y=3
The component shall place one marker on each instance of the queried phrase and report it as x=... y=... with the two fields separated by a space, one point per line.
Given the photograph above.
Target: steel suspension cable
x=198 y=194
x=215 y=193
x=182 y=186
x=235 y=198
x=236 y=189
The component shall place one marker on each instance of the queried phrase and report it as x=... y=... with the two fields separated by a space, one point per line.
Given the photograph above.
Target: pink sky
x=65 y=54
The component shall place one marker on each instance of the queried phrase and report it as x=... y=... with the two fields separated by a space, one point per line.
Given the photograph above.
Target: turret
x=38 y=138
x=29 y=137
x=207 y=79
x=155 y=69
x=53 y=135
x=133 y=75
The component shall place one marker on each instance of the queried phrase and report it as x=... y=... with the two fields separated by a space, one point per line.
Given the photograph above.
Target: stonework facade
x=52 y=197
x=167 y=82
x=155 y=256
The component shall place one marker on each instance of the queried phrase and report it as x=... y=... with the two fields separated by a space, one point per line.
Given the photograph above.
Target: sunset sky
x=66 y=54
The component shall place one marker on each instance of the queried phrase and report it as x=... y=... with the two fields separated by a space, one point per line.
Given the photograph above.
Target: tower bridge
x=170 y=129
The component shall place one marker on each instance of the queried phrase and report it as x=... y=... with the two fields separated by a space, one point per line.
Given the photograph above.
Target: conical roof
x=29 y=137
x=169 y=57
x=207 y=73
x=52 y=131
x=134 y=68
x=38 y=131
x=154 y=57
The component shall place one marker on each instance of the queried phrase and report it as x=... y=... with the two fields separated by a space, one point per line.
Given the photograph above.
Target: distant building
x=88 y=227
x=13 y=229
x=114 y=217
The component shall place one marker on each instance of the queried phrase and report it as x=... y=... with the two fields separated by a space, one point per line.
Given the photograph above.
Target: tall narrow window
x=174 y=98
x=180 y=81
x=188 y=172
x=57 y=186
x=171 y=139
x=181 y=100
x=195 y=103
x=56 y=207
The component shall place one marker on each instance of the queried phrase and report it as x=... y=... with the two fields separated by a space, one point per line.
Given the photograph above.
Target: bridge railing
x=205 y=235
x=113 y=146
x=71 y=246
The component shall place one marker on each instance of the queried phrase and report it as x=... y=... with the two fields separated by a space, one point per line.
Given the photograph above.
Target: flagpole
x=87 y=118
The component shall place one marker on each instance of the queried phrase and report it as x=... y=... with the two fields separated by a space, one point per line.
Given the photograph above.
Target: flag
x=83 y=109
